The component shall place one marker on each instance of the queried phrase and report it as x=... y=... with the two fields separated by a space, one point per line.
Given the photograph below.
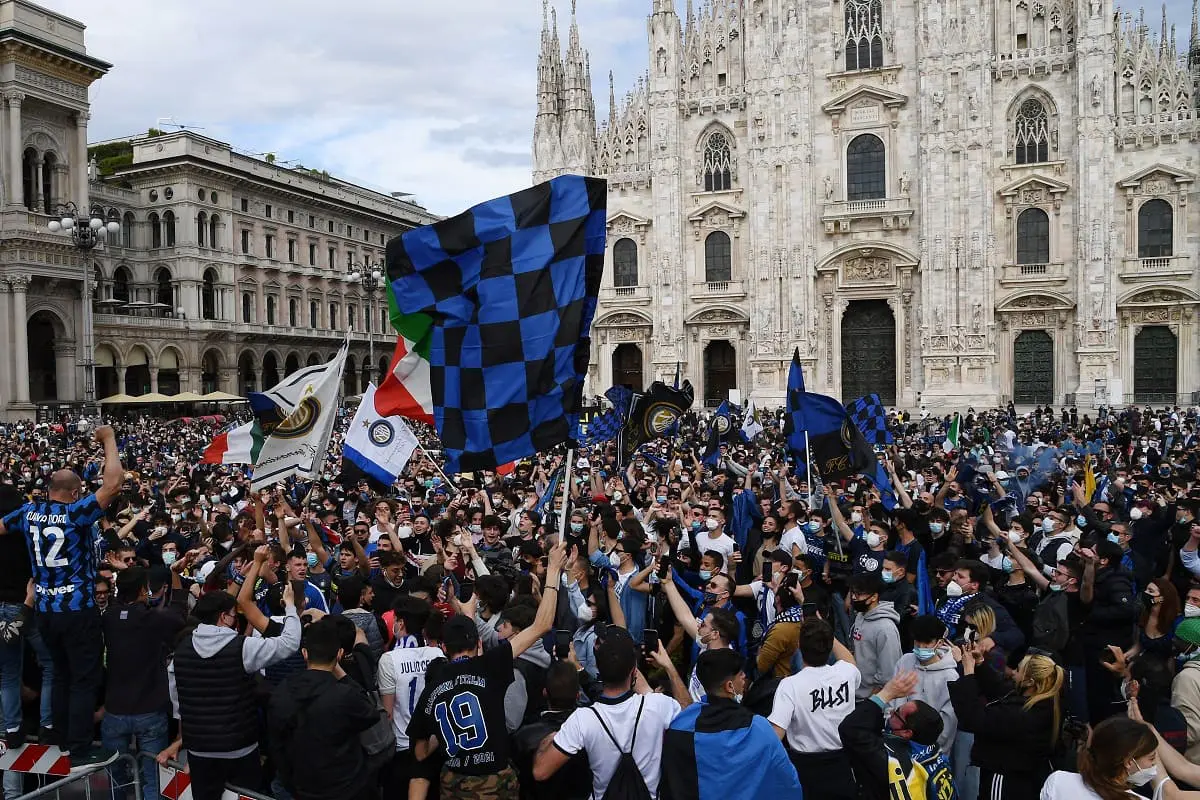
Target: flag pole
x=808 y=473
x=568 y=476
x=435 y=466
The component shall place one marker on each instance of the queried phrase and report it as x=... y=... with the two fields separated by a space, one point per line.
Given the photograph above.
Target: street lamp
x=85 y=232
x=370 y=279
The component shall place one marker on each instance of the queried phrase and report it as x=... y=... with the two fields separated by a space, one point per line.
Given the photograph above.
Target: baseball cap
x=1189 y=631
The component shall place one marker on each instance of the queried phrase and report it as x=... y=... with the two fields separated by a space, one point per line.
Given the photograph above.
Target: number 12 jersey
x=62 y=549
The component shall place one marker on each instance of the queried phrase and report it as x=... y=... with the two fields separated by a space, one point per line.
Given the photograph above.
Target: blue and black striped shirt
x=62 y=550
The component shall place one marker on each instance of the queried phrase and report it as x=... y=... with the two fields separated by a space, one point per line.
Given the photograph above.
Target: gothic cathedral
x=947 y=202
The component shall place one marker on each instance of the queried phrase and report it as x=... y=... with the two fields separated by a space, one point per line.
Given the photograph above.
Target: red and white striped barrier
x=175 y=784
x=39 y=759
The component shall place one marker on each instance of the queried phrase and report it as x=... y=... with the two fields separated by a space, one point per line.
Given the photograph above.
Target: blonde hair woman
x=1015 y=723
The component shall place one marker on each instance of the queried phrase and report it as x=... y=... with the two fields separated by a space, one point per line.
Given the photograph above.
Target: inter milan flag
x=510 y=287
x=607 y=426
x=718 y=430
x=871 y=418
x=838 y=449
x=652 y=414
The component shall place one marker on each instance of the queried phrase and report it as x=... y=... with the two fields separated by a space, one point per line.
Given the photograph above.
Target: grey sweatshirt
x=932 y=682
x=876 y=640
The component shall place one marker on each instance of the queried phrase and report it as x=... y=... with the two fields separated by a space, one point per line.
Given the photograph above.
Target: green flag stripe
x=414 y=327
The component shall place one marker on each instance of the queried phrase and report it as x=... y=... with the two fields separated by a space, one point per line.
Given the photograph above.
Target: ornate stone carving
x=1033 y=319
x=1158 y=296
x=19 y=283
x=626 y=320
x=1032 y=196
x=718 y=315
x=50 y=83
x=865 y=269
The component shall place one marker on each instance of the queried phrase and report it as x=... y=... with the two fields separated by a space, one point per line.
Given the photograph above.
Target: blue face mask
x=661 y=500
x=1114 y=538
x=576 y=527
x=1081 y=521
x=935 y=528
x=705 y=574
x=888 y=577
x=812 y=526
x=1006 y=564
x=924 y=654
x=312 y=560
x=695 y=524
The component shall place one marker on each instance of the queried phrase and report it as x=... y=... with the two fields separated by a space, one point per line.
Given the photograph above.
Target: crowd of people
x=1017 y=616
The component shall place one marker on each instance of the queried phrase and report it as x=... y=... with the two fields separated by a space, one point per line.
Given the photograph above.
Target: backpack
x=378 y=741
x=1051 y=625
x=626 y=782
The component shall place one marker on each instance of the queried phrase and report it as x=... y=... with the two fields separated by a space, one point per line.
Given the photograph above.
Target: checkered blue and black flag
x=511 y=288
x=605 y=427
x=870 y=417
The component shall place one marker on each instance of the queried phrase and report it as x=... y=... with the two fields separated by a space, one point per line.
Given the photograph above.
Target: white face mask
x=856 y=518
x=404 y=531
x=1015 y=536
x=1140 y=777
x=1190 y=611
x=711 y=524
x=1135 y=514
x=872 y=539
x=953 y=590
x=585 y=615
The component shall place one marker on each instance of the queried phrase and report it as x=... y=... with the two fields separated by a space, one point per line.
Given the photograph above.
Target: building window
x=332 y=258
x=127 y=229
x=864 y=34
x=269 y=242
x=1033 y=237
x=247 y=307
x=213 y=225
x=350 y=230
x=312 y=255
x=331 y=226
x=312 y=221
x=382 y=240
x=155 y=230
x=293 y=312
x=164 y=293
x=718 y=172
x=1156 y=230
x=245 y=205
x=208 y=295
x=384 y=319
x=169 y=227
x=718 y=263
x=120 y=285
x=270 y=310
x=333 y=316
x=292 y=250
x=267 y=213
x=866 y=173
x=291 y=215
x=625 y=263
x=350 y=316
x=201 y=229
x=246 y=242
x=366 y=236
x=314 y=312
x=1032 y=133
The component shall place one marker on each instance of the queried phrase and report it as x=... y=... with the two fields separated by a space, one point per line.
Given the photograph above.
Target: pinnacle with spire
x=1194 y=42
x=1162 y=37
x=612 y=101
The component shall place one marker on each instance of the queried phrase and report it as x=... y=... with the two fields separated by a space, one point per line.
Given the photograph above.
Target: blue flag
x=718 y=429
x=510 y=286
x=871 y=418
x=838 y=449
x=925 y=604
x=547 y=498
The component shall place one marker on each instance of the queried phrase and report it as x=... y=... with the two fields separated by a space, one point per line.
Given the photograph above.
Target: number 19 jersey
x=402 y=674
x=62 y=550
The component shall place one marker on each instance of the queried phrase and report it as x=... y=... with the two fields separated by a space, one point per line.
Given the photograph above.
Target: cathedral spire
x=612 y=102
x=1162 y=37
x=549 y=67
x=691 y=21
x=1194 y=42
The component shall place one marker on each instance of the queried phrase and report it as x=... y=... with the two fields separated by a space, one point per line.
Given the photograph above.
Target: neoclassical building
x=955 y=203
x=229 y=270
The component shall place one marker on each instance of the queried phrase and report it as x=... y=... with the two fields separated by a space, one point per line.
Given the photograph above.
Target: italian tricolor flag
x=405 y=390
x=238 y=445
x=951 y=442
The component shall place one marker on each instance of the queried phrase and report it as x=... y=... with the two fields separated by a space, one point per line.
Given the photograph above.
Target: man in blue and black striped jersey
x=63 y=550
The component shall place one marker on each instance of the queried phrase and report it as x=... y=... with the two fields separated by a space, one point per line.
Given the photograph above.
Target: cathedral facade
x=948 y=203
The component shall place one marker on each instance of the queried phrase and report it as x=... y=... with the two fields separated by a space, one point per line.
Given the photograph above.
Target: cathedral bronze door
x=868 y=351
x=627 y=366
x=720 y=372
x=1155 y=354
x=1033 y=368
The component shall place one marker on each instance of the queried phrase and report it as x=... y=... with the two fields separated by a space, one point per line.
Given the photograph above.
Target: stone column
x=39 y=203
x=20 y=339
x=153 y=379
x=120 y=380
x=6 y=388
x=64 y=372
x=79 y=163
x=16 y=195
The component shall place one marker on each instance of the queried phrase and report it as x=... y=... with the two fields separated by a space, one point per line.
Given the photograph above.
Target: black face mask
x=861 y=606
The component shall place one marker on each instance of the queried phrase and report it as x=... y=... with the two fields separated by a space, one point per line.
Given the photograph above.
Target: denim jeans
x=45 y=708
x=119 y=732
x=12 y=661
x=966 y=776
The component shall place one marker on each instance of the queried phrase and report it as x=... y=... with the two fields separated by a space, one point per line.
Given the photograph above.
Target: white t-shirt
x=757 y=588
x=722 y=544
x=402 y=674
x=793 y=536
x=1070 y=786
x=811 y=704
x=582 y=731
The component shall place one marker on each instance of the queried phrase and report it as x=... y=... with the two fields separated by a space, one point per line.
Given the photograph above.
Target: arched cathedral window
x=1032 y=133
x=718 y=173
x=1156 y=229
x=864 y=34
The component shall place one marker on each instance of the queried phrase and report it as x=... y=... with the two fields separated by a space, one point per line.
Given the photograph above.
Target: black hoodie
x=315 y=722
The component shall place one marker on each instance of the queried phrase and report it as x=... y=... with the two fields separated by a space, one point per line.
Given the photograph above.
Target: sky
x=432 y=98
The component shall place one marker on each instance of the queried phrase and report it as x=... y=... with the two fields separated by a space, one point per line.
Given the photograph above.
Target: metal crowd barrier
x=54 y=771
